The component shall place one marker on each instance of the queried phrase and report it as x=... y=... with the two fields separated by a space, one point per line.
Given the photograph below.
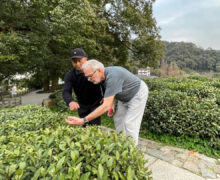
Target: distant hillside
x=188 y=55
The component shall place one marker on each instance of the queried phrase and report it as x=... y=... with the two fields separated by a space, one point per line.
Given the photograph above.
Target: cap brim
x=77 y=57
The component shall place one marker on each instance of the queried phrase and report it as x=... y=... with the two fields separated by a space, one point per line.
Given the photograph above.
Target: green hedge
x=200 y=89
x=41 y=145
x=20 y=119
x=59 y=100
x=20 y=112
x=184 y=107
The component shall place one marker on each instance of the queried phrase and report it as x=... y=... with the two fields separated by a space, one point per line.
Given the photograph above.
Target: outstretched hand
x=72 y=120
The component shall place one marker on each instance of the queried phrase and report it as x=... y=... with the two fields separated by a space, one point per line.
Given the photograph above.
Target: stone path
x=34 y=98
x=165 y=162
x=172 y=163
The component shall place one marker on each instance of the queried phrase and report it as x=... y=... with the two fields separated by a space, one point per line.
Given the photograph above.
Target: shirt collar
x=78 y=72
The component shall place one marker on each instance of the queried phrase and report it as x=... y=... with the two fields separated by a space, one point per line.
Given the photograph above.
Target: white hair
x=93 y=65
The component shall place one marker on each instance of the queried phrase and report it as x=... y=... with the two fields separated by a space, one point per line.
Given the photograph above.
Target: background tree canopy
x=37 y=36
x=188 y=55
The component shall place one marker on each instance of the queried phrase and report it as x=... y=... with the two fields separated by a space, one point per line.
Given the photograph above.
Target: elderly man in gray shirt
x=121 y=85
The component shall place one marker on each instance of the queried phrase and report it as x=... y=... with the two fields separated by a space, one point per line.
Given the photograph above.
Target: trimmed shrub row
x=21 y=119
x=191 y=87
x=178 y=114
x=184 y=107
x=39 y=146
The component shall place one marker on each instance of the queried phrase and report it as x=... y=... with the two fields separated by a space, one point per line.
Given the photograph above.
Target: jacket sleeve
x=67 y=89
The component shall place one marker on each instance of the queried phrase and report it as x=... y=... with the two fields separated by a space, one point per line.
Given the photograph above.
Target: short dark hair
x=75 y=60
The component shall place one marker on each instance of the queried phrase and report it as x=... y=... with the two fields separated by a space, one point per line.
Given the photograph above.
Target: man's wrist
x=85 y=120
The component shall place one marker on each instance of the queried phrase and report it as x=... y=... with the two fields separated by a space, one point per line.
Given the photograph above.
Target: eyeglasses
x=89 y=76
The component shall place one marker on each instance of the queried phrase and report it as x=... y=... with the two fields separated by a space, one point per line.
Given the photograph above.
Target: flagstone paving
x=172 y=163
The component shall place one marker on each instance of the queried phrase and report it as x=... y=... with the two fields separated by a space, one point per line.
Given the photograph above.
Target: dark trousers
x=84 y=111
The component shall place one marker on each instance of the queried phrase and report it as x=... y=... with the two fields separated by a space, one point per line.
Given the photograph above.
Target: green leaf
x=50 y=151
x=117 y=155
x=85 y=176
x=61 y=177
x=115 y=175
x=51 y=170
x=22 y=165
x=49 y=142
x=60 y=163
x=77 y=171
x=12 y=169
x=19 y=172
x=121 y=176
x=100 y=171
x=37 y=174
x=110 y=163
x=74 y=155
x=129 y=174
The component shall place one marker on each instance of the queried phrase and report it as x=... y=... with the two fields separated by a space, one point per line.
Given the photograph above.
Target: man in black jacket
x=89 y=95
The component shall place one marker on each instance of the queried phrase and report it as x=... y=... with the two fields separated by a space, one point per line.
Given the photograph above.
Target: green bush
x=205 y=89
x=39 y=146
x=61 y=105
x=176 y=113
x=183 y=107
x=20 y=111
x=28 y=118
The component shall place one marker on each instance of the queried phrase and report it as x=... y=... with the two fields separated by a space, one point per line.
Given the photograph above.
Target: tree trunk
x=55 y=83
x=46 y=85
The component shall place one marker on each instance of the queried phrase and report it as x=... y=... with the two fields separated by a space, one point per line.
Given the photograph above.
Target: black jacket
x=87 y=93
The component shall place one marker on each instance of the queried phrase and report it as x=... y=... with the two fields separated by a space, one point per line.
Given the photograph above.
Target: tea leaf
x=60 y=163
x=100 y=171
x=85 y=176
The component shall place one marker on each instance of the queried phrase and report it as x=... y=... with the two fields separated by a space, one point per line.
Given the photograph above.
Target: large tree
x=37 y=35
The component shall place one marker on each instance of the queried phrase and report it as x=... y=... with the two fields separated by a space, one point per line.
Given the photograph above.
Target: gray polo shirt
x=121 y=83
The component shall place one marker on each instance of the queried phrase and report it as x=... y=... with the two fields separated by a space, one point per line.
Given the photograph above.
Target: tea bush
x=200 y=89
x=184 y=108
x=20 y=111
x=59 y=101
x=61 y=105
x=18 y=120
x=40 y=146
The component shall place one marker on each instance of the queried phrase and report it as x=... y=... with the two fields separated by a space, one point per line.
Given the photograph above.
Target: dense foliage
x=37 y=35
x=58 y=98
x=189 y=56
x=183 y=112
x=35 y=143
x=184 y=107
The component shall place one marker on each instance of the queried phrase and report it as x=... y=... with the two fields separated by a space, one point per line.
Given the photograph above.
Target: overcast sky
x=196 y=21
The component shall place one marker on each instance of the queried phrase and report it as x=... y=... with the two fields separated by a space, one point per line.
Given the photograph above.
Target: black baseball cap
x=77 y=53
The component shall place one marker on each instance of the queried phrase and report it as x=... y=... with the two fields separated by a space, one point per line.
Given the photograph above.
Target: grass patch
x=185 y=142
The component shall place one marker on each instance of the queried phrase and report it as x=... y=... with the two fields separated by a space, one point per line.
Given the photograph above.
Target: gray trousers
x=129 y=114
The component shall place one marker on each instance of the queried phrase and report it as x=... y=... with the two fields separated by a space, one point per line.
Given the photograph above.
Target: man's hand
x=73 y=106
x=111 y=111
x=72 y=120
